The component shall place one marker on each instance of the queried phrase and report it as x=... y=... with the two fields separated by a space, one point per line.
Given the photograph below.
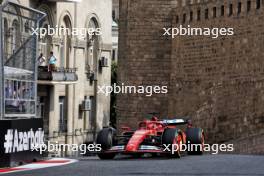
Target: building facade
x=115 y=10
x=115 y=16
x=114 y=41
x=18 y=85
x=72 y=110
x=218 y=83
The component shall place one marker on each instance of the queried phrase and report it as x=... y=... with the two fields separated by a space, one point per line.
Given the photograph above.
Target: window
x=214 y=12
x=113 y=54
x=239 y=6
x=15 y=36
x=113 y=15
x=191 y=16
x=183 y=18
x=62 y=52
x=258 y=4
x=230 y=9
x=248 y=6
x=206 y=15
x=65 y=47
x=92 y=45
x=44 y=45
x=222 y=10
x=63 y=117
x=92 y=113
x=5 y=39
x=198 y=15
x=26 y=27
x=41 y=107
x=19 y=96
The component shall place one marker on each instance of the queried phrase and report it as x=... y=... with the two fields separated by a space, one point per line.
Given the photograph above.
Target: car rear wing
x=176 y=121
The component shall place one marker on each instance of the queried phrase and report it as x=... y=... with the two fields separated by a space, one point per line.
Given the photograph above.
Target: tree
x=113 y=95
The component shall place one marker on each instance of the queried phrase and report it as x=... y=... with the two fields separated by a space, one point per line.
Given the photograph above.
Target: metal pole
x=1 y=66
x=35 y=67
x=35 y=61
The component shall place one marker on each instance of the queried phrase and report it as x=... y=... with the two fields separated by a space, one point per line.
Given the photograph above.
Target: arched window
x=65 y=29
x=5 y=38
x=15 y=38
x=45 y=45
x=92 y=46
x=45 y=42
x=26 y=27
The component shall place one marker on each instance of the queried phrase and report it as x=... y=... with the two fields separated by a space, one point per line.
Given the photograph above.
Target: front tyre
x=106 y=138
x=172 y=137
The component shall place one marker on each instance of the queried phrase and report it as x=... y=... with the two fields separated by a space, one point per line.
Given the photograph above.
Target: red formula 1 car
x=152 y=136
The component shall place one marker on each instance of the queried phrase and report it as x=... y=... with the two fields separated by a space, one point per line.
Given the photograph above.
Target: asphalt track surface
x=226 y=165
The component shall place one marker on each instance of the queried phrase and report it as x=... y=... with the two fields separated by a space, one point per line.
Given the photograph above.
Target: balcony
x=65 y=0
x=59 y=75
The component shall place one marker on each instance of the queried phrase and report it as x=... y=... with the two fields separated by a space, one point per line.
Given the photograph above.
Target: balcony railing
x=59 y=74
x=65 y=0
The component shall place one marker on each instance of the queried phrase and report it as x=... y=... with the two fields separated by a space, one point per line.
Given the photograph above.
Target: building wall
x=114 y=41
x=83 y=87
x=115 y=17
x=218 y=83
x=224 y=76
x=115 y=10
x=144 y=56
x=80 y=128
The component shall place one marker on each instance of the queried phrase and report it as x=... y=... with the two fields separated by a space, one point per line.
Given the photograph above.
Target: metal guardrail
x=58 y=74
x=18 y=64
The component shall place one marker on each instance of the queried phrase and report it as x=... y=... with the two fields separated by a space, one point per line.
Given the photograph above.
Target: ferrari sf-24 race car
x=152 y=136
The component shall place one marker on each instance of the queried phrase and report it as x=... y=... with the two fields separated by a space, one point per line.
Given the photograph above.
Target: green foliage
x=113 y=73
x=114 y=68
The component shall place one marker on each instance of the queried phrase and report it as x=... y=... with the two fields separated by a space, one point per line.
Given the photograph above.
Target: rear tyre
x=171 y=136
x=195 y=137
x=106 y=137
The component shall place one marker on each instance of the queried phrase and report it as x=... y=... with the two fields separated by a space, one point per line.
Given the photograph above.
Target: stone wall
x=218 y=83
x=144 y=57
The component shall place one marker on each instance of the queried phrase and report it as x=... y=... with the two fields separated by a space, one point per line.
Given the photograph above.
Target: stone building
x=115 y=16
x=115 y=10
x=218 y=83
x=68 y=101
x=114 y=41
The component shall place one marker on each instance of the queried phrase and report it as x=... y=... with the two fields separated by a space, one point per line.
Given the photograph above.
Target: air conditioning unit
x=86 y=105
x=103 y=62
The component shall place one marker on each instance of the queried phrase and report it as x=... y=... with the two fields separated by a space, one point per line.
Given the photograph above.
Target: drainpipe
x=2 y=67
x=74 y=66
x=96 y=101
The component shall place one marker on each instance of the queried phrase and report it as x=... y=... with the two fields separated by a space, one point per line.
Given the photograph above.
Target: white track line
x=39 y=165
